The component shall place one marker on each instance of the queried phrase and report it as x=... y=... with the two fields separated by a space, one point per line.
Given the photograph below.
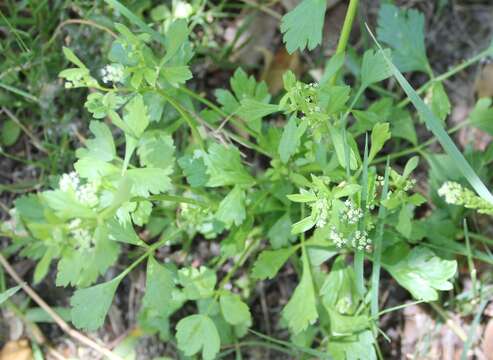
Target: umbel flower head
x=455 y=194
x=112 y=73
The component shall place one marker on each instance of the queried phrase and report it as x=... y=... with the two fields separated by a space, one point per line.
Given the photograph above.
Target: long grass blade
x=434 y=124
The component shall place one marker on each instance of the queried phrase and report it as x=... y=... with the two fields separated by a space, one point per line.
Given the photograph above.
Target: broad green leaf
x=156 y=150
x=232 y=208
x=197 y=283
x=90 y=305
x=332 y=66
x=135 y=115
x=30 y=208
x=102 y=146
x=194 y=169
x=482 y=115
x=379 y=135
x=402 y=125
x=224 y=167
x=69 y=54
x=339 y=146
x=198 y=332
x=147 y=181
x=333 y=98
x=269 y=262
x=176 y=36
x=159 y=285
x=66 y=205
x=124 y=233
x=303 y=225
x=235 y=311
x=8 y=293
x=404 y=222
x=301 y=310
x=434 y=124
x=302 y=27
x=374 y=68
x=10 y=132
x=280 y=233
x=177 y=74
x=403 y=31
x=438 y=101
x=341 y=325
x=290 y=139
x=419 y=270
x=43 y=265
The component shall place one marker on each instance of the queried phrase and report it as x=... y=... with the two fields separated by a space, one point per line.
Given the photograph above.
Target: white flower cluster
x=112 y=73
x=351 y=213
x=321 y=206
x=409 y=184
x=86 y=194
x=451 y=191
x=337 y=238
x=361 y=241
x=81 y=235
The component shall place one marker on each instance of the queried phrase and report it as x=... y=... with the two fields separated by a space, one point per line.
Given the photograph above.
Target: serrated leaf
x=194 y=169
x=403 y=31
x=419 y=270
x=482 y=115
x=90 y=305
x=302 y=27
x=100 y=147
x=177 y=74
x=135 y=115
x=235 y=311
x=301 y=310
x=224 y=167
x=232 y=208
x=280 y=233
x=176 y=36
x=333 y=98
x=198 y=332
x=379 y=135
x=124 y=233
x=197 y=283
x=270 y=261
x=374 y=68
x=438 y=101
x=290 y=139
x=146 y=181
x=156 y=150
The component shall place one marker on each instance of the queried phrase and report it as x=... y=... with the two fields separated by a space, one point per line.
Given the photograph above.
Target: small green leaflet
x=156 y=149
x=146 y=181
x=290 y=139
x=252 y=109
x=69 y=54
x=8 y=293
x=438 y=100
x=90 y=305
x=403 y=31
x=374 y=67
x=224 y=167
x=269 y=262
x=356 y=347
x=197 y=283
x=124 y=233
x=232 y=208
x=100 y=147
x=301 y=310
x=159 y=285
x=302 y=27
x=379 y=135
x=481 y=116
x=176 y=36
x=235 y=311
x=194 y=169
x=196 y=332
x=176 y=75
x=419 y=270
x=10 y=133
x=135 y=115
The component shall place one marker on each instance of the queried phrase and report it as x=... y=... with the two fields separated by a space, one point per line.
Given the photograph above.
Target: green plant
x=160 y=170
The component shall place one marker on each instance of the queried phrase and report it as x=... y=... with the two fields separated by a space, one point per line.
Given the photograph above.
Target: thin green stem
x=346 y=30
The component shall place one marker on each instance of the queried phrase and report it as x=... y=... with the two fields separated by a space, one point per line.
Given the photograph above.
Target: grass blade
x=434 y=124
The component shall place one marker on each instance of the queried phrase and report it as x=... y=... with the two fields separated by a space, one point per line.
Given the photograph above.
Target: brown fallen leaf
x=16 y=350
x=484 y=82
x=277 y=65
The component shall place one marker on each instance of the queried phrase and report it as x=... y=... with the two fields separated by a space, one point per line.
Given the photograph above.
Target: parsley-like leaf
x=196 y=332
x=224 y=167
x=302 y=27
x=269 y=262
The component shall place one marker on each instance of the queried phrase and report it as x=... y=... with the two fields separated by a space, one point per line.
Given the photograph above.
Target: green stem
x=346 y=30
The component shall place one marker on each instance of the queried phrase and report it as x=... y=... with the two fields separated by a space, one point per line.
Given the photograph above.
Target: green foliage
x=264 y=188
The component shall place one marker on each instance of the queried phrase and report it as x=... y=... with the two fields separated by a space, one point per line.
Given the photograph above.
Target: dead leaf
x=484 y=82
x=277 y=65
x=16 y=350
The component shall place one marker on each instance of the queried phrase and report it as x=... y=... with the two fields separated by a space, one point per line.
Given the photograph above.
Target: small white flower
x=87 y=194
x=336 y=237
x=351 y=214
x=321 y=206
x=112 y=73
x=69 y=181
x=451 y=191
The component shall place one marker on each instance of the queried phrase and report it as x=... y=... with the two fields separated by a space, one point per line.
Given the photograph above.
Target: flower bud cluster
x=361 y=241
x=351 y=213
x=86 y=194
x=112 y=73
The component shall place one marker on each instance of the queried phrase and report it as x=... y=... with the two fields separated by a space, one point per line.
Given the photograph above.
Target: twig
x=58 y=320
x=81 y=22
